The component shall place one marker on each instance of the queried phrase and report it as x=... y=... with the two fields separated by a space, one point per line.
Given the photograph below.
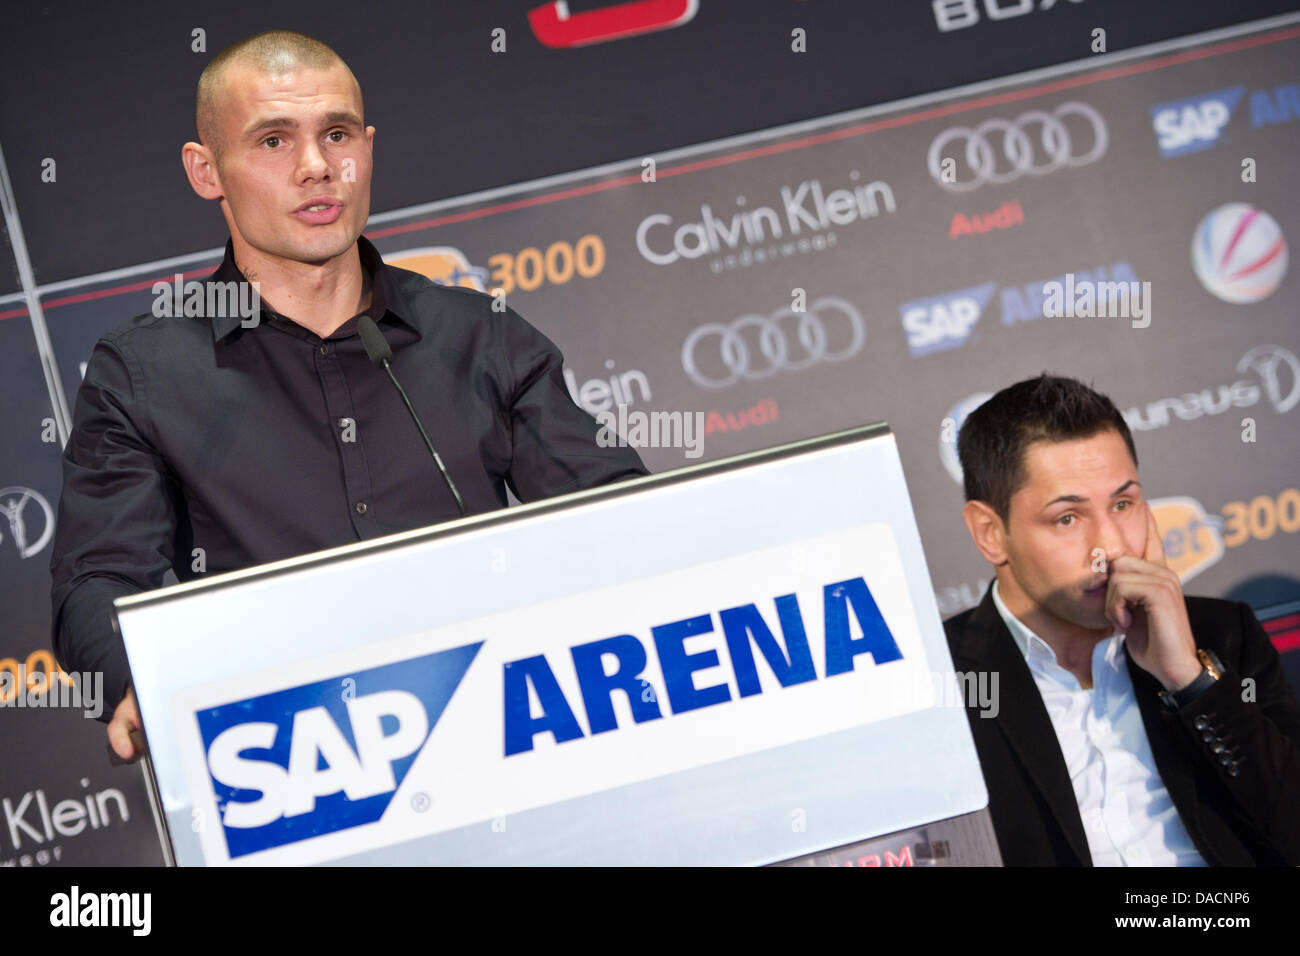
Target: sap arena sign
x=751 y=680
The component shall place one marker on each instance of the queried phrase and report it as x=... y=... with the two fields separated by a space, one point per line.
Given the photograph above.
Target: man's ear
x=987 y=531
x=201 y=169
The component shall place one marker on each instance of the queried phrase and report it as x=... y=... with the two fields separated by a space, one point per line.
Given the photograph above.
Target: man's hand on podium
x=125 y=736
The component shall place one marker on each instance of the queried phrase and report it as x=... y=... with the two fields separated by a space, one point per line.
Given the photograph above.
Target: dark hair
x=992 y=441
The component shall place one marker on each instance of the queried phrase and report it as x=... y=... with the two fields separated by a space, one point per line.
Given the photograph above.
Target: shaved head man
x=254 y=441
x=284 y=149
x=270 y=53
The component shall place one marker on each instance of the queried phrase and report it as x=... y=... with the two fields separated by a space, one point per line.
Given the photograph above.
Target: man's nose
x=1110 y=541
x=311 y=162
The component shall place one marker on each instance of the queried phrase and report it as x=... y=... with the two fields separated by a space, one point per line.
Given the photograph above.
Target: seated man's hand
x=1145 y=601
x=124 y=730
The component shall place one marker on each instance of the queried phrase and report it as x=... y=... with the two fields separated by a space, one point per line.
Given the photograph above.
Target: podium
x=735 y=663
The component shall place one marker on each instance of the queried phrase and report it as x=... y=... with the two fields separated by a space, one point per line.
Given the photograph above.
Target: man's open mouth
x=319 y=213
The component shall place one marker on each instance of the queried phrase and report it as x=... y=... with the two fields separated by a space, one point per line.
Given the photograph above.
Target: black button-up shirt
x=207 y=445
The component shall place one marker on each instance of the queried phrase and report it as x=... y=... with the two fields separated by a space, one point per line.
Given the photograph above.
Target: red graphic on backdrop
x=555 y=27
x=1285 y=632
x=1004 y=217
x=764 y=413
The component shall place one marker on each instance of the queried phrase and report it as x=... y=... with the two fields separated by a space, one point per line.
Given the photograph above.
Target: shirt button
x=324 y=349
x=361 y=507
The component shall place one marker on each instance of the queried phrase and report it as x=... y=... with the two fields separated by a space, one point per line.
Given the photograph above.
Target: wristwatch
x=1213 y=670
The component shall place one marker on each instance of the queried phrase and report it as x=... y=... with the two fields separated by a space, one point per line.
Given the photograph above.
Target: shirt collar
x=385 y=296
x=1022 y=635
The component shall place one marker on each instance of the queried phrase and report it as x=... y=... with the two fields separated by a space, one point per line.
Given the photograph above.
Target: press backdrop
x=739 y=210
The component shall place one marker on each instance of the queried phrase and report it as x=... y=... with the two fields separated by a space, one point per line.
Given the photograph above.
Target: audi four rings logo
x=831 y=330
x=1017 y=145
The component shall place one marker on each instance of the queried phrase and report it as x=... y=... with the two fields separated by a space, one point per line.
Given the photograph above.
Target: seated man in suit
x=1136 y=726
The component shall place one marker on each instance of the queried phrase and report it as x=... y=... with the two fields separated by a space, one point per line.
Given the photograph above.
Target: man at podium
x=350 y=400
x=1136 y=726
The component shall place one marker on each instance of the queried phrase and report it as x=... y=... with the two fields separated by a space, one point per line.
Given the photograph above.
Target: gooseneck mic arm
x=379 y=351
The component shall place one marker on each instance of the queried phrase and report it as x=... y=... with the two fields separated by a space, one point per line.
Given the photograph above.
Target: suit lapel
x=986 y=644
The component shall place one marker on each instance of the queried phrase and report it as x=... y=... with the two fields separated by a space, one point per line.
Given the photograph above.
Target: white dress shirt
x=1127 y=813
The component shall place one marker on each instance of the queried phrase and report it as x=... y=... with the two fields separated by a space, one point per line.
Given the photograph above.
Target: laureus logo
x=29 y=517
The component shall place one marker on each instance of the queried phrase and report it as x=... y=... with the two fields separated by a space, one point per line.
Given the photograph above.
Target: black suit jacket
x=1250 y=816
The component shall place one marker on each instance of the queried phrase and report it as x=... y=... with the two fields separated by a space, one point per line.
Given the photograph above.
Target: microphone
x=379 y=352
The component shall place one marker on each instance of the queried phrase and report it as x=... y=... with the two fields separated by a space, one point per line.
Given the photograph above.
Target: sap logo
x=321 y=760
x=743 y=628
x=1193 y=124
x=944 y=321
x=326 y=756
